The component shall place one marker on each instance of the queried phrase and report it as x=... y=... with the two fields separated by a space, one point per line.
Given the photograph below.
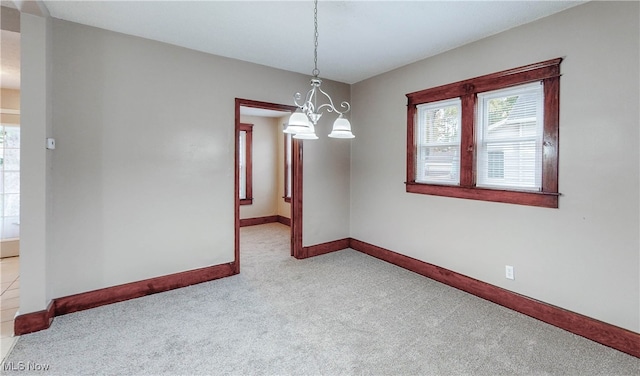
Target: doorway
x=296 y=176
x=10 y=198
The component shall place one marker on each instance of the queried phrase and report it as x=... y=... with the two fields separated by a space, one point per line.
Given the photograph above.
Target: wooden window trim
x=248 y=128
x=286 y=168
x=548 y=72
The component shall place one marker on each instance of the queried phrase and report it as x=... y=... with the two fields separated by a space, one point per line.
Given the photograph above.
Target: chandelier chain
x=316 y=71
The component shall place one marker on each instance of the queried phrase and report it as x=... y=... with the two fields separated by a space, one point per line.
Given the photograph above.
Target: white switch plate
x=51 y=143
x=508 y=272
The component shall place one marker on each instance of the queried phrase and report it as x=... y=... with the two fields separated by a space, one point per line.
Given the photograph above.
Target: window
x=438 y=144
x=509 y=123
x=245 y=163
x=287 y=167
x=9 y=181
x=492 y=138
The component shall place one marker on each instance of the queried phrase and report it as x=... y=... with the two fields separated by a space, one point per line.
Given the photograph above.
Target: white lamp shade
x=298 y=122
x=341 y=128
x=309 y=133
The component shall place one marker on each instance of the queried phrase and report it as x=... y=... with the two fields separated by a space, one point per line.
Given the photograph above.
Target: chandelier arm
x=309 y=103
x=296 y=98
x=331 y=107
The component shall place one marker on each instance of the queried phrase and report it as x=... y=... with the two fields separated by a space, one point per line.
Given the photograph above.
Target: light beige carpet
x=343 y=313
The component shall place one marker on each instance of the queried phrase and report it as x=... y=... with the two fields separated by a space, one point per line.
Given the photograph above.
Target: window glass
x=9 y=181
x=242 y=162
x=510 y=125
x=438 y=143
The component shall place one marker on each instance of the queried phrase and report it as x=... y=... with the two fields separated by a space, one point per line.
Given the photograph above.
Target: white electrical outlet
x=508 y=272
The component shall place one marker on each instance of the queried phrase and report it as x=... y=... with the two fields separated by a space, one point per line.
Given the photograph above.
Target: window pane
x=438 y=142
x=10 y=227
x=11 y=182
x=495 y=164
x=11 y=160
x=11 y=205
x=242 y=164
x=510 y=125
x=11 y=137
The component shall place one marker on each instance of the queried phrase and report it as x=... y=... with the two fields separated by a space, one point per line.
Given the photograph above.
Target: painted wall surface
x=284 y=208
x=142 y=179
x=326 y=171
x=265 y=168
x=584 y=256
x=35 y=162
x=10 y=99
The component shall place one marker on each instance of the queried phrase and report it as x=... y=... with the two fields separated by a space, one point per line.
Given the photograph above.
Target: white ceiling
x=358 y=39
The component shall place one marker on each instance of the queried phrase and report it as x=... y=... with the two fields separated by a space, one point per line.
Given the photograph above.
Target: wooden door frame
x=296 y=177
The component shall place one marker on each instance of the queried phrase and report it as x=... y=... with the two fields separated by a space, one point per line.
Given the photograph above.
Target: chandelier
x=302 y=123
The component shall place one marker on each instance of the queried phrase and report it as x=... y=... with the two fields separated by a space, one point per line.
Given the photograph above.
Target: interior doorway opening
x=248 y=204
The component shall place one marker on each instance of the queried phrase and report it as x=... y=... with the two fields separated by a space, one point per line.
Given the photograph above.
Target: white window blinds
x=509 y=138
x=438 y=142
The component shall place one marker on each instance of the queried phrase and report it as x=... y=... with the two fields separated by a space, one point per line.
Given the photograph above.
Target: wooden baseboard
x=618 y=338
x=258 y=220
x=267 y=219
x=32 y=322
x=321 y=249
x=284 y=220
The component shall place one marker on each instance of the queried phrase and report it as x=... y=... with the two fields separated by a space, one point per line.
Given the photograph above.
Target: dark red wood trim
x=541 y=199
x=296 y=199
x=248 y=157
x=258 y=220
x=34 y=321
x=467 y=140
x=551 y=135
x=287 y=152
x=265 y=105
x=328 y=247
x=284 y=220
x=236 y=189
x=296 y=163
x=549 y=73
x=516 y=76
x=411 y=143
x=609 y=335
x=109 y=295
x=296 y=230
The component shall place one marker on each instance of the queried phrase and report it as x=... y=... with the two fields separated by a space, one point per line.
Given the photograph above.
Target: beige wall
x=10 y=99
x=326 y=171
x=583 y=256
x=35 y=163
x=143 y=174
x=264 y=166
x=284 y=208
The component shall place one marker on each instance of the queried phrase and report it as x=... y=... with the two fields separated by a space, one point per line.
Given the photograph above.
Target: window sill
x=246 y=201
x=541 y=199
